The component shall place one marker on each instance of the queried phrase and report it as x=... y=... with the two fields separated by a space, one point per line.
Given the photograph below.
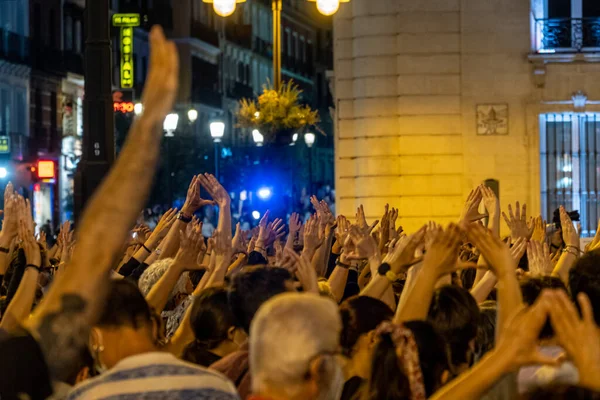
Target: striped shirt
x=156 y=375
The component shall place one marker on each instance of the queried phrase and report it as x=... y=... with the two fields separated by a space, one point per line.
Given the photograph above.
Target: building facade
x=435 y=97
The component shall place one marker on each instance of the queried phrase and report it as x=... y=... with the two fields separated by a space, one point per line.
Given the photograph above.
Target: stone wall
x=408 y=78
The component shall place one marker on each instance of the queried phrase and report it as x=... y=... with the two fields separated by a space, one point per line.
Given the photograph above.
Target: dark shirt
x=352 y=388
x=23 y=370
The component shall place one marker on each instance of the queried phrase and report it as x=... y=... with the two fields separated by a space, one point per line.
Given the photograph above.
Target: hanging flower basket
x=277 y=114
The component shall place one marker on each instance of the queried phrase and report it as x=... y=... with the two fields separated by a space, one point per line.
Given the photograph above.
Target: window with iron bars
x=570 y=166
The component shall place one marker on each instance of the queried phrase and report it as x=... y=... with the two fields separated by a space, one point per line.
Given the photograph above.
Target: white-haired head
x=294 y=338
x=153 y=274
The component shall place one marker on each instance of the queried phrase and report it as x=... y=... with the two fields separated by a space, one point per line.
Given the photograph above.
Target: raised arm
x=20 y=306
x=439 y=260
x=185 y=260
x=504 y=266
x=571 y=252
x=61 y=323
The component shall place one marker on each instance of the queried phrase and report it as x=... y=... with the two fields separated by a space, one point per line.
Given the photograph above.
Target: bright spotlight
x=3 y=172
x=264 y=193
x=255 y=215
x=243 y=195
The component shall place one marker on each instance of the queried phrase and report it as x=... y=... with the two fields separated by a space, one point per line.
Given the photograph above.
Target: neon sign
x=124 y=107
x=126 y=22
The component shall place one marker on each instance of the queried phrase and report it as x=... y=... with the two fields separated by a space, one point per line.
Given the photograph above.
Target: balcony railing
x=14 y=47
x=567 y=35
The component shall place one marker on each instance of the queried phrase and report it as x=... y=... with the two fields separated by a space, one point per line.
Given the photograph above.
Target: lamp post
x=217 y=130
x=309 y=139
x=98 y=118
x=225 y=8
x=169 y=126
x=258 y=138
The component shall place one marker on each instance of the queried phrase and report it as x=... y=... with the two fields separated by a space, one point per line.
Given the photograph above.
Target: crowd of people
x=322 y=307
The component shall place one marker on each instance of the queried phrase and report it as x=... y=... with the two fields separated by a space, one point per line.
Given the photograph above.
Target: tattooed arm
x=61 y=323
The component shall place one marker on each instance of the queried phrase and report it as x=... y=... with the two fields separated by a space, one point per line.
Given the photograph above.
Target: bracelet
x=33 y=266
x=147 y=249
x=338 y=263
x=183 y=218
x=4 y=250
x=570 y=252
x=574 y=247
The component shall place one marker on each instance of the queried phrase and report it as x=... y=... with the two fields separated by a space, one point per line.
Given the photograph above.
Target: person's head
x=361 y=315
x=213 y=324
x=455 y=315
x=584 y=277
x=531 y=288
x=293 y=341
x=486 y=329
x=126 y=325
x=252 y=287
x=152 y=275
x=433 y=355
x=562 y=392
x=396 y=353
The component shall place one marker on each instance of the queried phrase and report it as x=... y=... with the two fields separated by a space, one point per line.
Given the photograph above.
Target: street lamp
x=224 y=8
x=294 y=139
x=258 y=138
x=309 y=139
x=192 y=115
x=138 y=108
x=170 y=124
x=328 y=7
x=217 y=130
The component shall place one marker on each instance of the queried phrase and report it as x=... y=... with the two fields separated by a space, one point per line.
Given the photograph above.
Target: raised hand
x=518 y=249
x=29 y=245
x=323 y=212
x=364 y=246
x=401 y=255
x=569 y=233
x=10 y=226
x=163 y=226
x=239 y=242
x=470 y=212
x=538 y=257
x=519 y=341
x=518 y=223
x=361 y=221
x=384 y=236
x=490 y=201
x=311 y=236
x=539 y=229
x=215 y=189
x=496 y=252
x=163 y=78
x=295 y=224
x=305 y=273
x=441 y=257
x=394 y=234
x=578 y=336
x=193 y=200
x=191 y=245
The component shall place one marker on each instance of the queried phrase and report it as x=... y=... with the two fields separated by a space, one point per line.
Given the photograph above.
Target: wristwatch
x=385 y=270
x=183 y=218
